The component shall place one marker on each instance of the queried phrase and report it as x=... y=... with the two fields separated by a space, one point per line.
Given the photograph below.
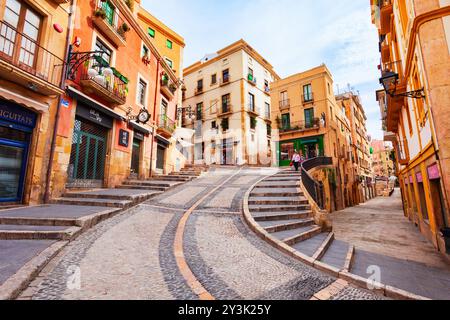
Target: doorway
x=135 y=157
x=160 y=157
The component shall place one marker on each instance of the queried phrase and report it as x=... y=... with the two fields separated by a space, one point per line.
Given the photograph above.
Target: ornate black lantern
x=390 y=79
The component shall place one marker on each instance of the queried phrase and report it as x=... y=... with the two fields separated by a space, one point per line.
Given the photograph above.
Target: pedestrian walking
x=296 y=160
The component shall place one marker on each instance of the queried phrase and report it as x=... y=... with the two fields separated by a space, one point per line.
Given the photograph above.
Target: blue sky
x=293 y=35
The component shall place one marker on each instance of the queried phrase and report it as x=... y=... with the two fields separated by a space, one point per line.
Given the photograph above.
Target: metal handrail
x=314 y=188
x=300 y=125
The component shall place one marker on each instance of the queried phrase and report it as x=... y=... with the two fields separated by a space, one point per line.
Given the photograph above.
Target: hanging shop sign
x=124 y=138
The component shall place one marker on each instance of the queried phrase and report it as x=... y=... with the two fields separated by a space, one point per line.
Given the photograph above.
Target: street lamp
x=390 y=79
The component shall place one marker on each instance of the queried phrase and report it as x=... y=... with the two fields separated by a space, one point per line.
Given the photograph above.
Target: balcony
x=166 y=126
x=25 y=62
x=225 y=80
x=252 y=110
x=198 y=91
x=300 y=126
x=112 y=24
x=308 y=98
x=285 y=104
x=386 y=10
x=168 y=88
x=402 y=152
x=251 y=79
x=226 y=110
x=267 y=91
x=96 y=77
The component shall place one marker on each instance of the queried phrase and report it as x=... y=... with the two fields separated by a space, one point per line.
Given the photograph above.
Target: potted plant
x=172 y=87
x=124 y=28
x=100 y=13
x=146 y=59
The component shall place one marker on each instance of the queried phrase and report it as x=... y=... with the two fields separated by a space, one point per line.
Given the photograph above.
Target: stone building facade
x=415 y=51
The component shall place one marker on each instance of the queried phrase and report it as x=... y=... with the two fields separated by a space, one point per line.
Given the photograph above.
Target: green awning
x=310 y=141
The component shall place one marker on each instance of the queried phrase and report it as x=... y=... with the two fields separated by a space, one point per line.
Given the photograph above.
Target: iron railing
x=94 y=69
x=300 y=125
x=308 y=98
x=112 y=17
x=25 y=53
x=167 y=124
x=314 y=188
x=284 y=104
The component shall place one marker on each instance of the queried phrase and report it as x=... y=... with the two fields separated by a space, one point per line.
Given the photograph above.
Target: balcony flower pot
x=100 y=13
x=100 y=80
x=92 y=73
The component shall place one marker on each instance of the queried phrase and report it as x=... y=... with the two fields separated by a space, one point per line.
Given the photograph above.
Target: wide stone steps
x=272 y=208
x=36 y=232
x=282 y=179
x=140 y=187
x=173 y=178
x=281 y=201
x=284 y=225
x=336 y=254
x=114 y=194
x=152 y=183
x=122 y=204
x=280 y=215
x=277 y=184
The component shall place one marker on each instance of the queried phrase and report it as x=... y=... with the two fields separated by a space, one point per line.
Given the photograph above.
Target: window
x=142 y=92
x=169 y=62
x=199 y=111
x=286 y=121
x=266 y=86
x=267 y=110
x=226 y=103
x=107 y=52
x=329 y=88
x=164 y=106
x=284 y=101
x=250 y=74
x=214 y=125
x=200 y=84
x=269 y=130
x=307 y=93
x=253 y=122
x=145 y=51
x=226 y=75
x=251 y=102
x=213 y=79
x=309 y=118
x=24 y=20
x=225 y=124
x=151 y=32
x=169 y=44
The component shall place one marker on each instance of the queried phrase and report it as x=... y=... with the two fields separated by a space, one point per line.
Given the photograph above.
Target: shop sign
x=16 y=114
x=138 y=136
x=124 y=138
x=433 y=172
x=94 y=116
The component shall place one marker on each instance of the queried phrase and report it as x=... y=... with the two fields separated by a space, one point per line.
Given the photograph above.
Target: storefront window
x=287 y=151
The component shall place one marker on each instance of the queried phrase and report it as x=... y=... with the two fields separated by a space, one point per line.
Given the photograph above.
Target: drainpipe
x=58 y=108
x=154 y=115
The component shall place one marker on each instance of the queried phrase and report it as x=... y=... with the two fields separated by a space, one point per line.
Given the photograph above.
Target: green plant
x=130 y=4
x=100 y=12
x=253 y=122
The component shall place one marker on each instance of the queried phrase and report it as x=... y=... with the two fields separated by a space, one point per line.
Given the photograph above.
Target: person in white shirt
x=296 y=160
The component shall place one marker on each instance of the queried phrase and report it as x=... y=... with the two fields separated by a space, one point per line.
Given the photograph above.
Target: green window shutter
x=151 y=32
x=169 y=44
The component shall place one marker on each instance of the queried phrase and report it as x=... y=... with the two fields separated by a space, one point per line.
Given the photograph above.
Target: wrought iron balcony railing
x=300 y=126
x=111 y=22
x=167 y=124
x=26 y=54
x=108 y=83
x=285 y=104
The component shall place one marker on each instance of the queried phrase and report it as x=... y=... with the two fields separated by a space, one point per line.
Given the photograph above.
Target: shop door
x=160 y=156
x=87 y=160
x=13 y=164
x=227 y=152
x=135 y=156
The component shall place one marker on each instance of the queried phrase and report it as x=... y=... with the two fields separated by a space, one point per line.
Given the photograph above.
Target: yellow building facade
x=307 y=119
x=415 y=47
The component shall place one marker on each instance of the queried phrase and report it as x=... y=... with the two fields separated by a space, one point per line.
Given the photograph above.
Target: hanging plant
x=130 y=4
x=100 y=13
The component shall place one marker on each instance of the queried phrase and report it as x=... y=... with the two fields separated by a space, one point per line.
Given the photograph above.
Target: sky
x=293 y=35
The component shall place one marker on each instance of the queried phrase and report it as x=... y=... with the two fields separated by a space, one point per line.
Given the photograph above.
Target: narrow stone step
x=310 y=245
x=283 y=225
x=336 y=254
x=283 y=179
x=293 y=236
x=271 y=208
x=278 y=184
x=137 y=187
x=123 y=204
x=307 y=234
x=277 y=201
x=172 y=178
x=152 y=183
x=283 y=215
x=274 y=192
x=57 y=222
x=114 y=194
x=30 y=232
x=324 y=247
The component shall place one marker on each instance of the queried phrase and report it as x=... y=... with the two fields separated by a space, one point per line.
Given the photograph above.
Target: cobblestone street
x=131 y=256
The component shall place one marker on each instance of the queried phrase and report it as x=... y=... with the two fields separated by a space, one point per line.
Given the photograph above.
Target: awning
x=184 y=133
x=24 y=101
x=162 y=141
x=310 y=141
x=185 y=144
x=78 y=95
x=140 y=128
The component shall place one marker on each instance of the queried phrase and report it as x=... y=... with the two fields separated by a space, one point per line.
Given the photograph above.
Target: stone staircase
x=278 y=205
x=108 y=201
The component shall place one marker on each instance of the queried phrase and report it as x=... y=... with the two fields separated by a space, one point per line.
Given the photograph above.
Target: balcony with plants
x=97 y=77
x=27 y=63
x=166 y=126
x=168 y=88
x=251 y=79
x=107 y=18
x=298 y=126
